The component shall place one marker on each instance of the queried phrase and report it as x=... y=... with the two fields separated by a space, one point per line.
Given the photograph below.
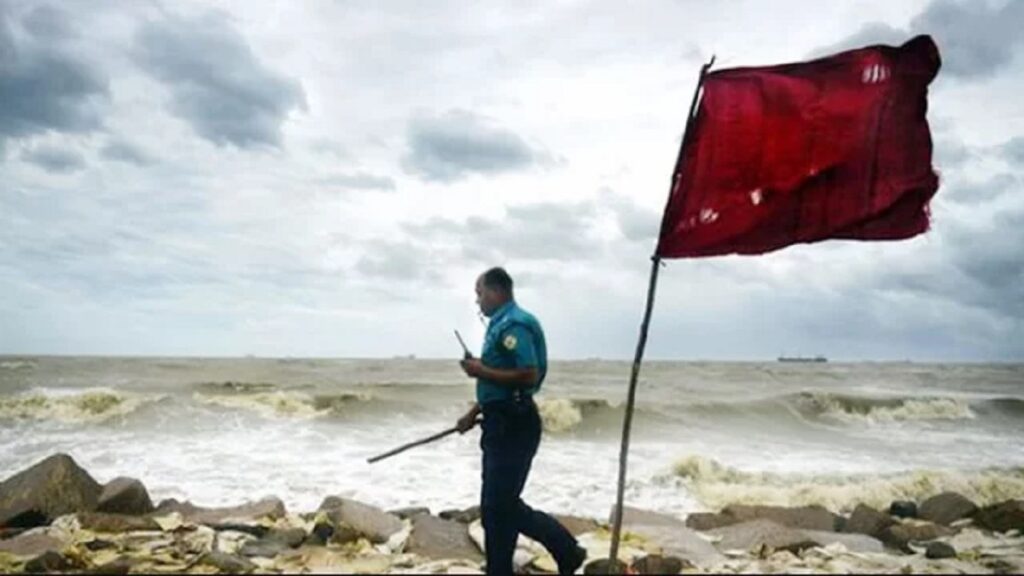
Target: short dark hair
x=497 y=278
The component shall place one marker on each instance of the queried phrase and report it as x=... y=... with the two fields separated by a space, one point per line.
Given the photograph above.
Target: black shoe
x=573 y=563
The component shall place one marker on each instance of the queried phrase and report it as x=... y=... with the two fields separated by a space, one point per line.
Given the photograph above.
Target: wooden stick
x=420 y=442
x=627 y=421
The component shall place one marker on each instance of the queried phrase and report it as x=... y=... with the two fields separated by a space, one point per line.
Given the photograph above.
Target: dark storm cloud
x=54 y=159
x=43 y=84
x=459 y=143
x=975 y=39
x=216 y=82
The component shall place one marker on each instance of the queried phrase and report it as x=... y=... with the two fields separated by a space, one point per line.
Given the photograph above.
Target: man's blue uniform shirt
x=514 y=339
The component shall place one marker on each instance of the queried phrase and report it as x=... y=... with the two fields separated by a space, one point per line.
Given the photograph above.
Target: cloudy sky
x=328 y=177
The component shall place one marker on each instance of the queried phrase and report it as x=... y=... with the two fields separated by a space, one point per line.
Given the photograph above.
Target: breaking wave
x=91 y=405
x=563 y=414
x=285 y=403
x=864 y=409
x=716 y=485
x=18 y=364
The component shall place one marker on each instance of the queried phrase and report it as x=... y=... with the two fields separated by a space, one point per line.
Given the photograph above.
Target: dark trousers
x=511 y=434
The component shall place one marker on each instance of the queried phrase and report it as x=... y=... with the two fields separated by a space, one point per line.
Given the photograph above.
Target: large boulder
x=370 y=522
x=946 y=508
x=247 y=513
x=48 y=489
x=867 y=520
x=1002 y=517
x=441 y=539
x=115 y=523
x=228 y=563
x=670 y=534
x=124 y=496
x=805 y=517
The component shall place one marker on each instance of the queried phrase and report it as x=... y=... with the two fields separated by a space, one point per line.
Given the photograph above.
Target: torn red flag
x=832 y=148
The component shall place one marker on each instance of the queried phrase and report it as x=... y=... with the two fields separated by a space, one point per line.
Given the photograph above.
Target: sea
x=222 y=431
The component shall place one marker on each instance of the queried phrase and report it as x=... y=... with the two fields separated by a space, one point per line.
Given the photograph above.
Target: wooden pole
x=627 y=420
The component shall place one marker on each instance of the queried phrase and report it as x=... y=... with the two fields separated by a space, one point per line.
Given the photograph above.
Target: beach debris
x=124 y=495
x=50 y=488
x=368 y=521
x=903 y=509
x=946 y=508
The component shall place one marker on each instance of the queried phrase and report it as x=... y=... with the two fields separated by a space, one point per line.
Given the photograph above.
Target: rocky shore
x=54 y=517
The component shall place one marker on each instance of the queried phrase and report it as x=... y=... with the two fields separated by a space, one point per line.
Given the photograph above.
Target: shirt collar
x=502 y=311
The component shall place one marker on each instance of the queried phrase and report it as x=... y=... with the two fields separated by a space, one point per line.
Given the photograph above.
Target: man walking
x=509 y=372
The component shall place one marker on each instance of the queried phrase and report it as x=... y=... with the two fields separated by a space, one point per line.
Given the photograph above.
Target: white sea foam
x=282 y=403
x=559 y=414
x=716 y=485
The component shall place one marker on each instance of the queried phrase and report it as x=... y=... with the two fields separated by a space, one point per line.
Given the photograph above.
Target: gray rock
x=370 y=522
x=867 y=520
x=263 y=548
x=124 y=496
x=708 y=521
x=659 y=565
x=31 y=544
x=903 y=509
x=577 y=525
x=48 y=562
x=6 y=533
x=228 y=563
x=1002 y=517
x=290 y=537
x=115 y=523
x=806 y=517
x=404 y=513
x=467 y=516
x=48 y=489
x=246 y=513
x=755 y=534
x=946 y=508
x=441 y=539
x=939 y=550
x=671 y=534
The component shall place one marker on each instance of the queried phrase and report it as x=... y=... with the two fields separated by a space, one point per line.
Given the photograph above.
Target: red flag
x=833 y=148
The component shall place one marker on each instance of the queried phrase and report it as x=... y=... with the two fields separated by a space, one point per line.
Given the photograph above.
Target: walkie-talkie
x=465 y=351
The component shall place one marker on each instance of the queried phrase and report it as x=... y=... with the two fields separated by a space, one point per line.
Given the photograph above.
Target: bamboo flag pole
x=641 y=343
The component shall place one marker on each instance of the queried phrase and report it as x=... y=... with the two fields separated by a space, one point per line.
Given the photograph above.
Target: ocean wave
x=564 y=414
x=285 y=403
x=18 y=364
x=716 y=485
x=867 y=409
x=90 y=405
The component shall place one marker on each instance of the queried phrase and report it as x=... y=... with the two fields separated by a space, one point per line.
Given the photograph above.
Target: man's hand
x=468 y=420
x=473 y=367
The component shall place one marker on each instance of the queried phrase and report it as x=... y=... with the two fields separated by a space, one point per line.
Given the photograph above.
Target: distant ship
x=818 y=358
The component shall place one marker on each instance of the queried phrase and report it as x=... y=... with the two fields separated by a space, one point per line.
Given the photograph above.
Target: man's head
x=493 y=288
